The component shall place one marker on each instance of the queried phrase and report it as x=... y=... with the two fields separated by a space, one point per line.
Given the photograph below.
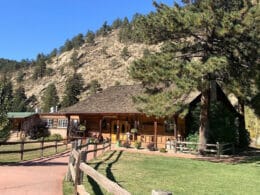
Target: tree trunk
x=204 y=120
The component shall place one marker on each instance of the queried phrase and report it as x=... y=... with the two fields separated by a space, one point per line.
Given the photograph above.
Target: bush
x=151 y=146
x=39 y=130
x=126 y=144
x=138 y=144
x=163 y=150
x=54 y=137
x=4 y=133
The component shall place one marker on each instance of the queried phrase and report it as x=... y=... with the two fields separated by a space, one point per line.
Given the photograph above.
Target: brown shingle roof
x=116 y=99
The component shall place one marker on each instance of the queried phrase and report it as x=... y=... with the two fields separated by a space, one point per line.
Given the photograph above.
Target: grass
x=140 y=174
x=15 y=157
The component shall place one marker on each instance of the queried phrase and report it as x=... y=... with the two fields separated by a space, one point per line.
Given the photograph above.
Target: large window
x=62 y=123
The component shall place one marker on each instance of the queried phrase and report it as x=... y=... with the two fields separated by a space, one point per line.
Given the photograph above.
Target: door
x=118 y=130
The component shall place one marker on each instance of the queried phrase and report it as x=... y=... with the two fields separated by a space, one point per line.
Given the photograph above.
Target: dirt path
x=41 y=177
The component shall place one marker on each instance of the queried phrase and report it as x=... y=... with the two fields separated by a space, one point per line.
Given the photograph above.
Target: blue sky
x=29 y=27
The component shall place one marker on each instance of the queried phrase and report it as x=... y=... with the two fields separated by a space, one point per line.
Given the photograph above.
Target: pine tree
x=5 y=100
x=204 y=40
x=90 y=37
x=40 y=67
x=19 y=100
x=50 y=98
x=73 y=88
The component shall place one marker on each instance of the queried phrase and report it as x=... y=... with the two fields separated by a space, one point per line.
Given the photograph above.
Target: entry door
x=118 y=130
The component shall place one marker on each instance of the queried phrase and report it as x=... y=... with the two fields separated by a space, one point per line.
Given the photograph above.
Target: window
x=62 y=123
x=169 y=126
x=49 y=123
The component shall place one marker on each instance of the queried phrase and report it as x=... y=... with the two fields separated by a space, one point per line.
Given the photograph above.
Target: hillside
x=101 y=61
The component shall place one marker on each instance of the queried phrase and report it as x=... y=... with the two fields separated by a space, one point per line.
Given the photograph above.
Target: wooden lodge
x=112 y=114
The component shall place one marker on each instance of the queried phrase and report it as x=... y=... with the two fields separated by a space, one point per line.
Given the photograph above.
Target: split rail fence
x=42 y=146
x=183 y=146
x=77 y=167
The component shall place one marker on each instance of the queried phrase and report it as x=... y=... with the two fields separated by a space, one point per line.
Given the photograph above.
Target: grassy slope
x=139 y=174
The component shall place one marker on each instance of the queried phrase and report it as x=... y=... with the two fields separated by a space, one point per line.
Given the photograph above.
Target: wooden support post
x=155 y=134
x=100 y=126
x=117 y=130
x=42 y=145
x=22 y=149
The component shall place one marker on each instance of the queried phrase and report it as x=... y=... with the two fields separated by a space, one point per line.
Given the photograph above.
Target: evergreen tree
x=50 y=98
x=73 y=88
x=40 y=67
x=94 y=86
x=90 y=37
x=77 y=41
x=104 y=30
x=74 y=62
x=5 y=100
x=125 y=54
x=117 y=23
x=204 y=40
x=19 y=100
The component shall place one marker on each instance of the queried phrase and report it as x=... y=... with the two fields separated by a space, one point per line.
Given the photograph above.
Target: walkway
x=41 y=177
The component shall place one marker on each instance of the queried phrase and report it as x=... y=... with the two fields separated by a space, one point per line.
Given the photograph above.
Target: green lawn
x=15 y=157
x=140 y=174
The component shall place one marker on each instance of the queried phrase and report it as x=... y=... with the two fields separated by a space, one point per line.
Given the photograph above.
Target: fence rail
x=22 y=150
x=77 y=167
x=184 y=146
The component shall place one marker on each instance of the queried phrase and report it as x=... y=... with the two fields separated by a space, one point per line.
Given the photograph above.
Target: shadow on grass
x=251 y=155
x=95 y=187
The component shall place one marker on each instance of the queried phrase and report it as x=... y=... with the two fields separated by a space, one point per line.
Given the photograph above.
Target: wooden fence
x=183 y=146
x=42 y=146
x=77 y=167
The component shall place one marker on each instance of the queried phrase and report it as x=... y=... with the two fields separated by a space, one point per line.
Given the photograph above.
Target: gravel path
x=38 y=177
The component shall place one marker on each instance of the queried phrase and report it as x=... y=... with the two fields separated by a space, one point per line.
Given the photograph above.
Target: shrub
x=54 y=137
x=39 y=130
x=151 y=146
x=138 y=144
x=126 y=144
x=163 y=150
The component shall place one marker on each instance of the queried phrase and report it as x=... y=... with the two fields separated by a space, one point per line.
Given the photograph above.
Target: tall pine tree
x=50 y=98
x=5 y=100
x=73 y=88
x=203 y=40
x=19 y=100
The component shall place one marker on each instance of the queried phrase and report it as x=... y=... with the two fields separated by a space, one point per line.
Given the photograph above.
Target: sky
x=29 y=27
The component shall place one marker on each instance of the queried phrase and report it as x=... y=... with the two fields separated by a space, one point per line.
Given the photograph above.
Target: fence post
x=103 y=147
x=56 y=146
x=233 y=148
x=42 y=144
x=77 y=174
x=95 y=151
x=219 y=149
x=218 y=152
x=68 y=175
x=22 y=149
x=67 y=143
x=175 y=146
x=83 y=159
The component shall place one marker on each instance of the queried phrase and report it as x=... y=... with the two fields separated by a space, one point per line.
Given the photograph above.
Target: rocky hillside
x=102 y=61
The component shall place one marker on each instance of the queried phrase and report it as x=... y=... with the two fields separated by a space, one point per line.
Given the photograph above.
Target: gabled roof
x=11 y=115
x=116 y=99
